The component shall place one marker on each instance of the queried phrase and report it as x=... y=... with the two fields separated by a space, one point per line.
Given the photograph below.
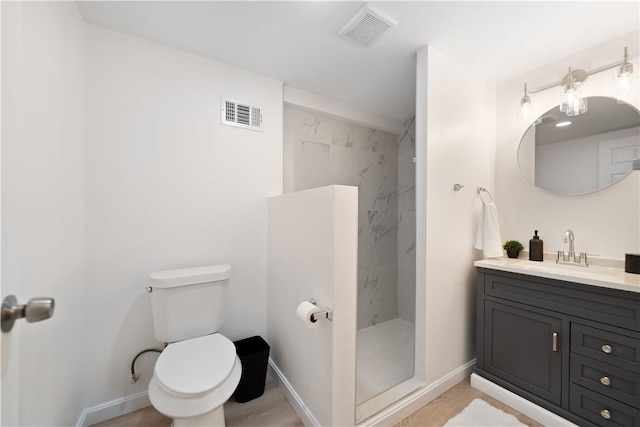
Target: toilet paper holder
x=326 y=314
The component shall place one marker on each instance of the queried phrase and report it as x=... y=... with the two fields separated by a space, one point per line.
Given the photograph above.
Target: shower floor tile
x=384 y=358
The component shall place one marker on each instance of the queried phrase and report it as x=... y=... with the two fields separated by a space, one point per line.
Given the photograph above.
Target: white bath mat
x=480 y=414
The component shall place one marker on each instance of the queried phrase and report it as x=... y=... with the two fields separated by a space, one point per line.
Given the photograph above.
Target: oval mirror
x=581 y=154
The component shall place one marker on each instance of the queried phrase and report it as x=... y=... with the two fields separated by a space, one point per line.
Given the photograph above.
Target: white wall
x=42 y=209
x=455 y=136
x=313 y=247
x=605 y=223
x=167 y=186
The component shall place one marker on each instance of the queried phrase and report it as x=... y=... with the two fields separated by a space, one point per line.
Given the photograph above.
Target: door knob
x=35 y=310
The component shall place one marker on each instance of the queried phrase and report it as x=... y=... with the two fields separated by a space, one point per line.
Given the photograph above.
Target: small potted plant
x=513 y=248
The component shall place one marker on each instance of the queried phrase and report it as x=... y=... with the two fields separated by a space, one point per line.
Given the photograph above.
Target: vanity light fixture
x=571 y=85
x=526 y=107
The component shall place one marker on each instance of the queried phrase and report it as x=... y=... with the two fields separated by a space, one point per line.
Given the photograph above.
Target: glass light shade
x=574 y=103
x=575 y=107
x=625 y=84
x=527 y=112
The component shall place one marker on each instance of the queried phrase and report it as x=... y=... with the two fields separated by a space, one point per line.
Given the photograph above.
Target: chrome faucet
x=571 y=257
x=569 y=237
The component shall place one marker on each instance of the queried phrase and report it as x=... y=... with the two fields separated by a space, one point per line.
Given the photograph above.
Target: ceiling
x=297 y=42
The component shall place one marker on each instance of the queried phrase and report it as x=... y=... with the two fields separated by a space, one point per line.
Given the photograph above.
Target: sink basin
x=571 y=270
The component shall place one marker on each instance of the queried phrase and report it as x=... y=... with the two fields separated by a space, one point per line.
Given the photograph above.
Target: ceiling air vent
x=240 y=115
x=368 y=26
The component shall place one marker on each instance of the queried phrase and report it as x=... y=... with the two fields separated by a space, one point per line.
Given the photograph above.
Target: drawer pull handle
x=554 y=342
x=605 y=414
x=606 y=348
x=605 y=381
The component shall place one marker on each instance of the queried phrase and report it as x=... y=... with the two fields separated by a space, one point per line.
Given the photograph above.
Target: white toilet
x=199 y=370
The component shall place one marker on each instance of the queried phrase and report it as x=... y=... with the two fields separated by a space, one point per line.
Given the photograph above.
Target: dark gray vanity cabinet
x=521 y=346
x=571 y=348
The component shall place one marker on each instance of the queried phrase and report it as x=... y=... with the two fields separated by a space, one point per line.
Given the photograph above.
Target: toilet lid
x=196 y=366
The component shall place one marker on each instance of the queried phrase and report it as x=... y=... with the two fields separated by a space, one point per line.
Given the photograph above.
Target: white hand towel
x=488 y=237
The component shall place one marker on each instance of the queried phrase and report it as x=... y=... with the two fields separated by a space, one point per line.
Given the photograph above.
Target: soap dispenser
x=535 y=248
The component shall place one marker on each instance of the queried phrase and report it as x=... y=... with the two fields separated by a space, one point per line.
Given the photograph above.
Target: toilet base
x=214 y=418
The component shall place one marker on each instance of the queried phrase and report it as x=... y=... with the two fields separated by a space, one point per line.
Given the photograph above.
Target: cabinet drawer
x=617 y=308
x=601 y=410
x=615 y=349
x=606 y=379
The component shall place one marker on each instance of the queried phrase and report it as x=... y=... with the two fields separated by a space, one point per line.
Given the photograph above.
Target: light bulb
x=624 y=82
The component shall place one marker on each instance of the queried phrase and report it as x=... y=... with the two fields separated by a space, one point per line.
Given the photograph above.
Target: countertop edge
x=623 y=281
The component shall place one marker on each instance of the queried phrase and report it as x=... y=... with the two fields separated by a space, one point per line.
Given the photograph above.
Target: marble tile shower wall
x=321 y=150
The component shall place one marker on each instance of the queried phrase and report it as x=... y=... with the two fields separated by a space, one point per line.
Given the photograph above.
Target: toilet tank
x=188 y=302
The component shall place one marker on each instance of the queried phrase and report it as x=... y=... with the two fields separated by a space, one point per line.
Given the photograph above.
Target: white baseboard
x=519 y=403
x=112 y=409
x=416 y=400
x=387 y=416
x=305 y=415
x=134 y=402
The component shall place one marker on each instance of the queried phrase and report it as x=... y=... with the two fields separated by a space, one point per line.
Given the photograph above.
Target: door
x=523 y=347
x=616 y=159
x=42 y=210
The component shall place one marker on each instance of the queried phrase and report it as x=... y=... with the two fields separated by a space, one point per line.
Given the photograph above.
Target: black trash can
x=254 y=355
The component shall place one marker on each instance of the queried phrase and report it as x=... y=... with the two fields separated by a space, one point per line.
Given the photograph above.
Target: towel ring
x=480 y=190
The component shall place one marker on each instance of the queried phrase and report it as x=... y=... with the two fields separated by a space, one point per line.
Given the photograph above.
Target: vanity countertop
x=614 y=278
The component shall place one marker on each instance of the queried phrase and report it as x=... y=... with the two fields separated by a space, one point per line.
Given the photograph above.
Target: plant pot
x=513 y=254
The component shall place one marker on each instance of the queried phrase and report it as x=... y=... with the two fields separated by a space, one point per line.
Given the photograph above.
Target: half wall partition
x=312 y=253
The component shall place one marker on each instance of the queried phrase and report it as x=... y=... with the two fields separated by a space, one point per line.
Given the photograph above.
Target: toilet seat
x=196 y=377
x=194 y=367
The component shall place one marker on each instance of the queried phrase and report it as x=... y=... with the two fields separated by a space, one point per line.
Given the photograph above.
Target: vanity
x=566 y=338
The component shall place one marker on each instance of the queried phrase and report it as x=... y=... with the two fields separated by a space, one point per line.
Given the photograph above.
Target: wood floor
x=273 y=409
x=270 y=409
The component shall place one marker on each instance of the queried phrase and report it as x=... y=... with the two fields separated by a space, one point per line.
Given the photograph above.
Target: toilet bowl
x=193 y=379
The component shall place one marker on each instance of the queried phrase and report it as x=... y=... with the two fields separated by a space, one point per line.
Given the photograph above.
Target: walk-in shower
x=321 y=150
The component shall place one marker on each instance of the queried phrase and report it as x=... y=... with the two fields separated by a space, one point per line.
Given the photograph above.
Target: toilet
x=199 y=370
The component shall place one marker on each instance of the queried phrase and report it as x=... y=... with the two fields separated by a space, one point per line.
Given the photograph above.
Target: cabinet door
x=522 y=346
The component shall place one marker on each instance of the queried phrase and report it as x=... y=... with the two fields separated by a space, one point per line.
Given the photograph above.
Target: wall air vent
x=240 y=115
x=368 y=26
